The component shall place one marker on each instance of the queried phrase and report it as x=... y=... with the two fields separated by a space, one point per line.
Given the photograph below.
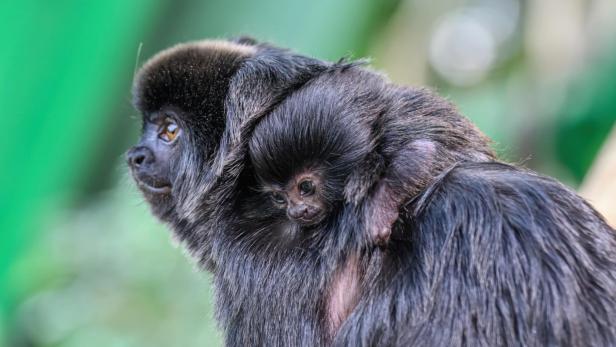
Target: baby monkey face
x=302 y=198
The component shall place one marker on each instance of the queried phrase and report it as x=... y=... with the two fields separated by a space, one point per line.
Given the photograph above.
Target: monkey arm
x=414 y=139
x=411 y=168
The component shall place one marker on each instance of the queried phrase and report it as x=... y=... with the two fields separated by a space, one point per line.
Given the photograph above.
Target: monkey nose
x=304 y=214
x=138 y=156
x=298 y=212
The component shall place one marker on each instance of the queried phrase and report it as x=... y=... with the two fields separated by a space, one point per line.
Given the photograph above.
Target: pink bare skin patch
x=343 y=294
x=383 y=213
x=410 y=169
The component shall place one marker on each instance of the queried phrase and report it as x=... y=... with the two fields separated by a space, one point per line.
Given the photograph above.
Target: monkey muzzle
x=146 y=172
x=305 y=215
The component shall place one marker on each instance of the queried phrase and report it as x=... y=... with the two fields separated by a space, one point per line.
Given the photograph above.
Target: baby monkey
x=302 y=197
x=325 y=145
x=302 y=154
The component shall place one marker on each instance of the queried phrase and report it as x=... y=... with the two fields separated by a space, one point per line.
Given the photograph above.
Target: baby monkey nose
x=298 y=211
x=303 y=213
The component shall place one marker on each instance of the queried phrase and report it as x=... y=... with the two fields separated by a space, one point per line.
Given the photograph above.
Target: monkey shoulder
x=500 y=207
x=494 y=195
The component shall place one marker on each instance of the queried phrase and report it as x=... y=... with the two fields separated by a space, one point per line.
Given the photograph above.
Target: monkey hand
x=382 y=213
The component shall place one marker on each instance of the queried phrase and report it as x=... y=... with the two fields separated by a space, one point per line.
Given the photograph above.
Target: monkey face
x=302 y=198
x=152 y=159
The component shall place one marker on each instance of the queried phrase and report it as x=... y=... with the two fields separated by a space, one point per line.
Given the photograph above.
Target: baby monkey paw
x=380 y=223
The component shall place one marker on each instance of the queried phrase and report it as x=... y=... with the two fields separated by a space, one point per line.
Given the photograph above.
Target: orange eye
x=169 y=131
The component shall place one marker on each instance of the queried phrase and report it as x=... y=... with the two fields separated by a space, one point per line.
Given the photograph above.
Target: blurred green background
x=82 y=262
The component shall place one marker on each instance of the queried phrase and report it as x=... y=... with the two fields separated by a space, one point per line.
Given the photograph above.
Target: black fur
x=483 y=253
x=492 y=255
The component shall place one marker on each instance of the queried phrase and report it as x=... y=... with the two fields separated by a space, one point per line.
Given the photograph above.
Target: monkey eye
x=169 y=130
x=278 y=198
x=306 y=187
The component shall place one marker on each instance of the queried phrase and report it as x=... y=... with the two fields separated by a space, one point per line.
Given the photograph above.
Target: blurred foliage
x=110 y=282
x=62 y=61
x=82 y=262
x=588 y=114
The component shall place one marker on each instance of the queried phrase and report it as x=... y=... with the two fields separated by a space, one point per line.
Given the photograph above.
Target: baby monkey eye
x=306 y=187
x=278 y=198
x=169 y=130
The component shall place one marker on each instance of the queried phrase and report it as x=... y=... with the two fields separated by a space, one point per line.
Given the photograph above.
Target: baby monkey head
x=303 y=153
x=302 y=197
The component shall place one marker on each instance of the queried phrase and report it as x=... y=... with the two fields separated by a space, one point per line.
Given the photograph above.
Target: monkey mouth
x=153 y=186
x=166 y=189
x=310 y=221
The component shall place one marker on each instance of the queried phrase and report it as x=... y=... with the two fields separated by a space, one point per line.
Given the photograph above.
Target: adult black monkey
x=487 y=254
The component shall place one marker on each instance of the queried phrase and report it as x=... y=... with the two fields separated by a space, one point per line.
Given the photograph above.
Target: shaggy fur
x=496 y=256
x=483 y=253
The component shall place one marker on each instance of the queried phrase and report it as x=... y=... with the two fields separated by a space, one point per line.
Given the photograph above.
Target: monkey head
x=180 y=93
x=303 y=152
x=302 y=197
